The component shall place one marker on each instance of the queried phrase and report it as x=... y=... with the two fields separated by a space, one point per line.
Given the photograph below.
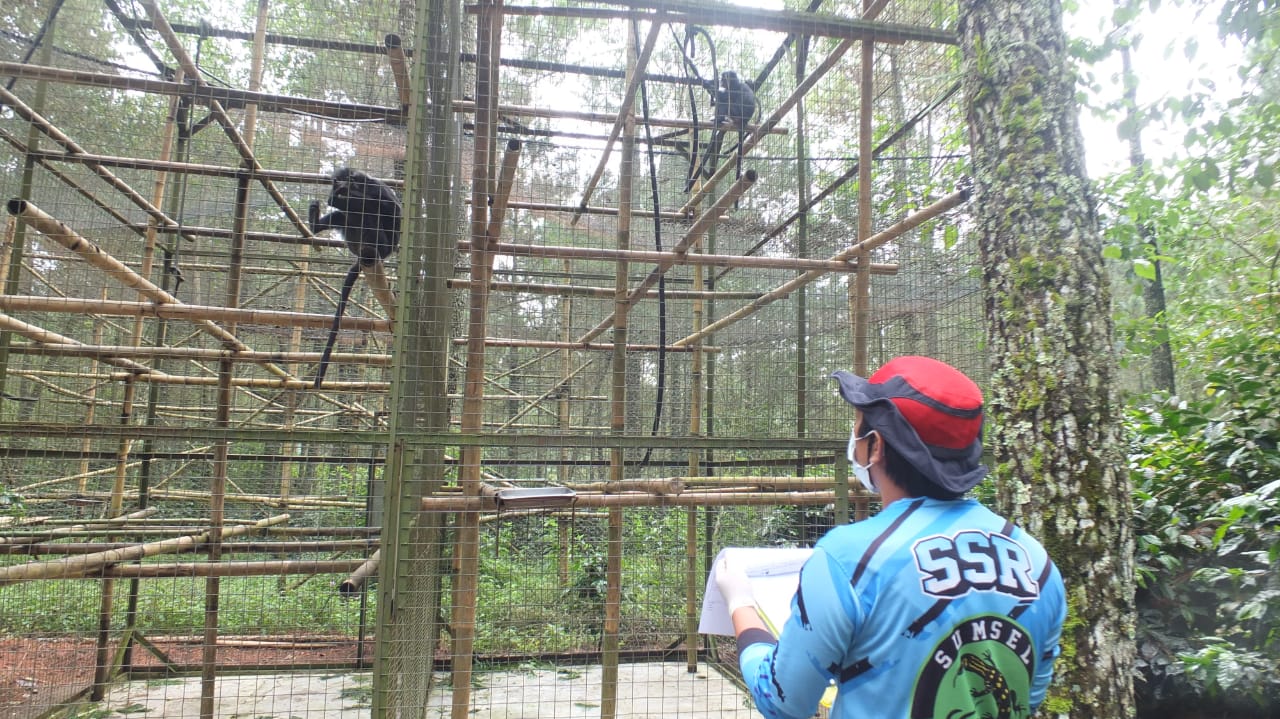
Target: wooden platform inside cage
x=649 y=690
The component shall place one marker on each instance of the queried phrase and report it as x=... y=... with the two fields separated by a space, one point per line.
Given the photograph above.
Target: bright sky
x=1163 y=69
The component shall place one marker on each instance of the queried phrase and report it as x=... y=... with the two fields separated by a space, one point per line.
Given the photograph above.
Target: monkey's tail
x=347 y=284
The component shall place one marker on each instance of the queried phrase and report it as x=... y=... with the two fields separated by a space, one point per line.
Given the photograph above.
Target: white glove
x=734 y=585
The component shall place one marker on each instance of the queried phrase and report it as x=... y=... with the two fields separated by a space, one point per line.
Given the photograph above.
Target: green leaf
x=1265 y=174
x=950 y=236
x=1113 y=252
x=1145 y=270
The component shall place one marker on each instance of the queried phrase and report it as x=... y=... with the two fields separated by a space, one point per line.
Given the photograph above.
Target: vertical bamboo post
x=173 y=144
x=693 y=579
x=86 y=444
x=226 y=372
x=565 y=419
x=18 y=249
x=413 y=568
x=860 y=289
x=802 y=250
x=466 y=549
x=618 y=401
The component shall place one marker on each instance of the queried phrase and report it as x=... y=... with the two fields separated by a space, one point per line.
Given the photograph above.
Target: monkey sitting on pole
x=735 y=103
x=367 y=214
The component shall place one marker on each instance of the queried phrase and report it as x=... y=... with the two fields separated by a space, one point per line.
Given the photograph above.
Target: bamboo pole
x=39 y=334
x=792 y=21
x=93 y=255
x=466 y=549
x=681 y=250
x=784 y=290
x=598 y=117
x=189 y=66
x=44 y=536
x=399 y=69
x=351 y=586
x=607 y=255
x=534 y=288
x=640 y=499
x=194 y=353
x=234 y=568
x=270 y=102
x=609 y=633
x=660 y=487
x=625 y=111
x=258 y=382
x=860 y=288
x=86 y=444
x=45 y=549
x=199 y=314
x=53 y=133
x=749 y=141
x=72 y=567
x=691 y=580
x=376 y=276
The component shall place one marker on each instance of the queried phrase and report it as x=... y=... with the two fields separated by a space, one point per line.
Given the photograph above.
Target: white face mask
x=862 y=472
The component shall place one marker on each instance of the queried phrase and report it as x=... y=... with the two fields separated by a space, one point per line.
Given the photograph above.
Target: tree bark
x=1054 y=420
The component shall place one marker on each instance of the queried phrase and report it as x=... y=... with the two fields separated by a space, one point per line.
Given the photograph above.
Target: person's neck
x=890 y=492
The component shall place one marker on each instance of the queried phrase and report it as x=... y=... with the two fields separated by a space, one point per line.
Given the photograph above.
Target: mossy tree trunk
x=1054 y=419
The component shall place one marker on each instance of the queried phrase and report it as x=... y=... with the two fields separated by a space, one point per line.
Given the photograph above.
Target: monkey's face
x=348 y=185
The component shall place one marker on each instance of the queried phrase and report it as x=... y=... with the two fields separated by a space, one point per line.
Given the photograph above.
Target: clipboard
x=774 y=573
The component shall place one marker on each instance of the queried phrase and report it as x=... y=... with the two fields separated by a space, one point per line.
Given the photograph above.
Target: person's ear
x=874 y=446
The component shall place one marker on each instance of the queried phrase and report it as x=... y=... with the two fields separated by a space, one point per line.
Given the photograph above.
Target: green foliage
x=248 y=605
x=1207 y=475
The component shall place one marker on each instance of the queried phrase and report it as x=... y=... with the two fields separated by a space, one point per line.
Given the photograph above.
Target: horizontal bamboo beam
x=43 y=535
x=196 y=353
x=39 y=334
x=96 y=257
x=192 y=313
x=578 y=115
x=69 y=567
x=231 y=568
x=604 y=293
x=688 y=499
x=785 y=21
x=669 y=486
x=608 y=255
x=338 y=545
x=880 y=238
x=266 y=102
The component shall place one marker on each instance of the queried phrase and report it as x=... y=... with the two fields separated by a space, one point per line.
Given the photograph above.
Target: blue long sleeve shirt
x=931 y=608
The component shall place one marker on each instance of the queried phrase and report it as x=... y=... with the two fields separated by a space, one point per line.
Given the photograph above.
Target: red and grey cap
x=929 y=411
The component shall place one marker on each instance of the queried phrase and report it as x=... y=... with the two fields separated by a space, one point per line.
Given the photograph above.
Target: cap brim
x=853 y=388
x=955 y=470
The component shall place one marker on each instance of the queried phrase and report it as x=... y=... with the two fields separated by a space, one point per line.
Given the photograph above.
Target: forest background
x=1191 y=227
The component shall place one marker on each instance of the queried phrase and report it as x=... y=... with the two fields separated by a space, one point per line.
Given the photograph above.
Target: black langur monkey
x=734 y=102
x=367 y=213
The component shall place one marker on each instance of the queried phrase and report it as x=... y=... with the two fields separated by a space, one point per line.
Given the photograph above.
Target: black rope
x=660 y=390
x=688 y=49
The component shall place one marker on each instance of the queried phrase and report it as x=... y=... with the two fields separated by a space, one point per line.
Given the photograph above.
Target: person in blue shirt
x=935 y=606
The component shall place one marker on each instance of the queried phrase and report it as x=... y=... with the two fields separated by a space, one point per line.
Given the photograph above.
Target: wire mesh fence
x=627 y=263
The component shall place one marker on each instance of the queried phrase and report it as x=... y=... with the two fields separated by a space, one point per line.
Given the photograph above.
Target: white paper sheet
x=774 y=573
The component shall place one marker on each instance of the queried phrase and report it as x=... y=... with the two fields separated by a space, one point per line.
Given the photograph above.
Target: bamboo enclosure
x=587 y=367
